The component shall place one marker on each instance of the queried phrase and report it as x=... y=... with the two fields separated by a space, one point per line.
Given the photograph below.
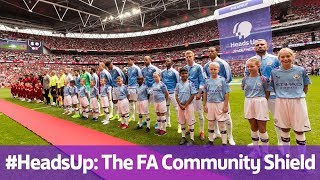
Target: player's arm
x=205 y=102
x=177 y=99
x=266 y=86
x=305 y=89
x=225 y=103
x=167 y=96
x=189 y=100
x=97 y=93
x=226 y=97
x=128 y=94
x=201 y=83
x=306 y=81
x=139 y=72
x=108 y=94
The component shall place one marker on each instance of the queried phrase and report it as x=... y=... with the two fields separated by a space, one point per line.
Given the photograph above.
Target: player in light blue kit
x=184 y=94
x=196 y=76
x=256 y=109
x=104 y=100
x=94 y=96
x=225 y=71
x=83 y=98
x=160 y=96
x=268 y=63
x=67 y=98
x=122 y=94
x=133 y=73
x=170 y=77
x=115 y=72
x=147 y=73
x=290 y=84
x=74 y=98
x=104 y=74
x=142 y=104
x=216 y=100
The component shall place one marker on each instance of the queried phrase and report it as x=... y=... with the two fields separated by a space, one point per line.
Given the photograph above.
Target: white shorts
x=143 y=107
x=160 y=107
x=74 y=99
x=104 y=102
x=197 y=105
x=172 y=98
x=114 y=94
x=67 y=100
x=292 y=114
x=123 y=106
x=256 y=108
x=133 y=93
x=187 y=115
x=84 y=101
x=215 y=112
x=94 y=103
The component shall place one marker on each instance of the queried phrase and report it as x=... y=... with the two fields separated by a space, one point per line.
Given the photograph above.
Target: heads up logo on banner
x=240 y=25
x=34 y=46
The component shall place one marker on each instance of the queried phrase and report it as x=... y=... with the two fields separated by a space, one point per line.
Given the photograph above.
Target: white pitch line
x=41 y=108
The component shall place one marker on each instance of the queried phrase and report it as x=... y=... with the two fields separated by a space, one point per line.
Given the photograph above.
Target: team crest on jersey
x=194 y=69
x=219 y=85
x=269 y=63
x=170 y=73
x=259 y=84
x=296 y=76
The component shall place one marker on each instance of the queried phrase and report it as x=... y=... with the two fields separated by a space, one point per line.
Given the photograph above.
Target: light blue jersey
x=170 y=77
x=158 y=90
x=216 y=89
x=96 y=79
x=107 y=76
x=196 y=75
x=83 y=91
x=94 y=92
x=255 y=86
x=116 y=72
x=66 y=91
x=142 y=92
x=73 y=90
x=268 y=63
x=133 y=73
x=147 y=73
x=77 y=82
x=184 y=90
x=225 y=70
x=122 y=92
x=104 y=90
x=289 y=83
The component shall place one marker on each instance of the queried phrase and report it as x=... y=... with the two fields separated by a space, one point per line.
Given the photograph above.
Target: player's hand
x=205 y=108
x=198 y=96
x=225 y=109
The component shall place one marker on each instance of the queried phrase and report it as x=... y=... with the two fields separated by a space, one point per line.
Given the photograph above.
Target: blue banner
x=239 y=32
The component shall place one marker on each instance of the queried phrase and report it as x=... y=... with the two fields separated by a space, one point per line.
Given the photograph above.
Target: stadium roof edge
x=121 y=35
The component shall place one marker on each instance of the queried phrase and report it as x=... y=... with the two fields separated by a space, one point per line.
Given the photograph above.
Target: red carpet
x=55 y=130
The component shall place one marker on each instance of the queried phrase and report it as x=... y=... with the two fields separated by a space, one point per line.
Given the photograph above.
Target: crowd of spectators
x=297 y=10
x=10 y=72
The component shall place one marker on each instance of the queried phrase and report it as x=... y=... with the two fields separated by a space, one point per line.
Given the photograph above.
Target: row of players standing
x=269 y=69
x=200 y=79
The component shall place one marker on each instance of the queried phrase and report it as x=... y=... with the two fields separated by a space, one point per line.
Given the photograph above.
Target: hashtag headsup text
x=166 y=162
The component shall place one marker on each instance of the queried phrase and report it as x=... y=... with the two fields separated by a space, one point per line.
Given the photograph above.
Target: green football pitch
x=13 y=133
